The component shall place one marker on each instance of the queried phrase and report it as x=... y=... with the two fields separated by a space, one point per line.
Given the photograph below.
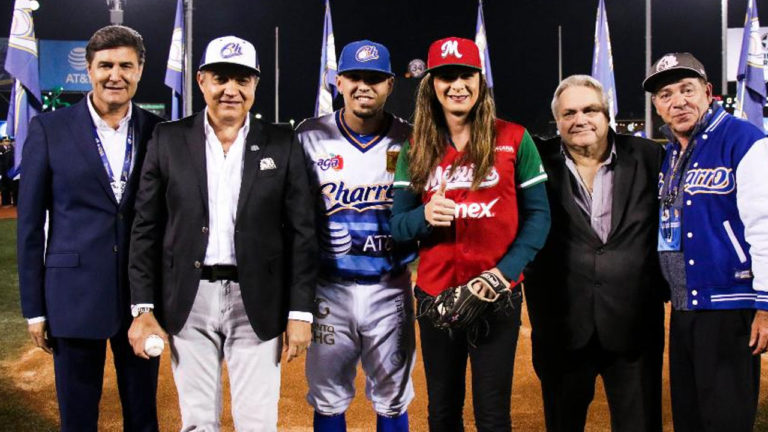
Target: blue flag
x=21 y=63
x=174 y=72
x=326 y=89
x=482 y=45
x=602 y=61
x=750 y=93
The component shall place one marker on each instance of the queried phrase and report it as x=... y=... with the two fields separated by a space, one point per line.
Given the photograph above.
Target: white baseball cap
x=232 y=50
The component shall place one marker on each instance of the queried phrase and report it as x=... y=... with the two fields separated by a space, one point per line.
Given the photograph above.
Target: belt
x=366 y=279
x=219 y=272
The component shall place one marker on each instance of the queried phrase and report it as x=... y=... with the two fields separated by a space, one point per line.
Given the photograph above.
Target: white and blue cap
x=365 y=55
x=230 y=50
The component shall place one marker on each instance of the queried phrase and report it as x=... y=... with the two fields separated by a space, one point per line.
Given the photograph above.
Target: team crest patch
x=334 y=162
x=666 y=62
x=231 y=49
x=450 y=48
x=366 y=53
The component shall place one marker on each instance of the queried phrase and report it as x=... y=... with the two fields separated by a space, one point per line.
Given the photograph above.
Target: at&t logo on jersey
x=360 y=198
x=366 y=53
x=476 y=210
x=461 y=178
x=335 y=162
x=717 y=180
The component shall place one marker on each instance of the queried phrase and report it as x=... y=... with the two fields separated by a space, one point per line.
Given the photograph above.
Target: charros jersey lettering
x=355 y=195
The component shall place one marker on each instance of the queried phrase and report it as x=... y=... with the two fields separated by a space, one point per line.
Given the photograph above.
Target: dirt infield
x=32 y=374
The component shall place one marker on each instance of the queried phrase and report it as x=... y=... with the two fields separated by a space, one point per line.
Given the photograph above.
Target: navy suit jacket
x=77 y=277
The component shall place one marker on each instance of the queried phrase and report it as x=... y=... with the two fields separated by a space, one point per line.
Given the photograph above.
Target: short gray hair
x=580 y=81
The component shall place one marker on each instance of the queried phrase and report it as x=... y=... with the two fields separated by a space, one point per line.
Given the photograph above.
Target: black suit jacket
x=274 y=237
x=577 y=286
x=77 y=276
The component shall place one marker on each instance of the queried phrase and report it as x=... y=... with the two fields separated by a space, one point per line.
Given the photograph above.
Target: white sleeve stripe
x=401 y=183
x=752 y=202
x=538 y=179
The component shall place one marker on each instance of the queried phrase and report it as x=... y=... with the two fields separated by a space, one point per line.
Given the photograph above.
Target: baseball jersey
x=355 y=176
x=486 y=219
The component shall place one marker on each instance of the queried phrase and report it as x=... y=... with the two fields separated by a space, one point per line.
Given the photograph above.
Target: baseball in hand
x=154 y=345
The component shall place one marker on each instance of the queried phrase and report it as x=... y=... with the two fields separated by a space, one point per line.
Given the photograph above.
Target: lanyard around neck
x=118 y=188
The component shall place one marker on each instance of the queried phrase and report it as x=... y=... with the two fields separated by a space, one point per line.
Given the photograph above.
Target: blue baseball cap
x=365 y=55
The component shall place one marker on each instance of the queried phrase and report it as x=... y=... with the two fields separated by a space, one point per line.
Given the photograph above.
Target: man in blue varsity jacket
x=713 y=247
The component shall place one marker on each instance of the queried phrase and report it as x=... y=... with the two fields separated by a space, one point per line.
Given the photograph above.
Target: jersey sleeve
x=528 y=169
x=402 y=176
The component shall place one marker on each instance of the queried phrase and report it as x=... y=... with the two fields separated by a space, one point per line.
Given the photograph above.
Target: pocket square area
x=267 y=164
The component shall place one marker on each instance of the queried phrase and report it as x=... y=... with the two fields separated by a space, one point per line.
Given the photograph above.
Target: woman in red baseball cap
x=469 y=187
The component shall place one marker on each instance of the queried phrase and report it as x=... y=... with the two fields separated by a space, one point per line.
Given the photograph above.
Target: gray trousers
x=218 y=329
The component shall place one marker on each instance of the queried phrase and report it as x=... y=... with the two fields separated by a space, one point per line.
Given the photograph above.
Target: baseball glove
x=461 y=306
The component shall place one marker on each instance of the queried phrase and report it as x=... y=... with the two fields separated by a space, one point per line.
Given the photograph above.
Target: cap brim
x=453 y=65
x=390 y=73
x=652 y=82
x=208 y=66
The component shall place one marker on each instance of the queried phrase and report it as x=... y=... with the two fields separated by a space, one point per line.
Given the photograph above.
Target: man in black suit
x=81 y=167
x=595 y=292
x=224 y=250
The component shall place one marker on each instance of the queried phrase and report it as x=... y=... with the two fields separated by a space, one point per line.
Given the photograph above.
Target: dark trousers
x=632 y=382
x=492 y=360
x=714 y=378
x=79 y=370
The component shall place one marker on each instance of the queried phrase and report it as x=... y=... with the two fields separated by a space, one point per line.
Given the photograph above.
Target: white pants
x=217 y=328
x=372 y=324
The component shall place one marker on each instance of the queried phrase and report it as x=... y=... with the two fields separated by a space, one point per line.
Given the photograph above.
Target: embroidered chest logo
x=461 y=178
x=717 y=180
x=450 y=47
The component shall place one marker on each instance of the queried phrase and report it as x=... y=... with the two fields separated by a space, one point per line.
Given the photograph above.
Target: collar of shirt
x=210 y=134
x=609 y=161
x=101 y=125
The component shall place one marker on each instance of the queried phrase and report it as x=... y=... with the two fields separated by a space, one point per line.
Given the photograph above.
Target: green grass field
x=15 y=413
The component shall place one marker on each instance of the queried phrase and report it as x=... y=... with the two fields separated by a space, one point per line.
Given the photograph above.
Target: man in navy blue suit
x=80 y=169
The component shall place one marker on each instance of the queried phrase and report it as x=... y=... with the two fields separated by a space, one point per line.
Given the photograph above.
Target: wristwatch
x=137 y=310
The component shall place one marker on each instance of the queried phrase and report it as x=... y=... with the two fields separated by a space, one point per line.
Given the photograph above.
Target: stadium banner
x=735 y=36
x=63 y=64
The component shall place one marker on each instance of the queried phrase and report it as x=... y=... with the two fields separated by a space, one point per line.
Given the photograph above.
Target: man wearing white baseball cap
x=225 y=247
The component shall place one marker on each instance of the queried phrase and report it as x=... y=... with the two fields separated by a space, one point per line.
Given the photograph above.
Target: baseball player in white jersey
x=364 y=306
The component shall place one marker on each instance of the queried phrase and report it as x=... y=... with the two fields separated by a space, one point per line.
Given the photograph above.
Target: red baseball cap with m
x=453 y=51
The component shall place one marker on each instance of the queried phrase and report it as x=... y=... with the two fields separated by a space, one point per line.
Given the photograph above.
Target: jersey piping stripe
x=350 y=136
x=401 y=183
x=538 y=179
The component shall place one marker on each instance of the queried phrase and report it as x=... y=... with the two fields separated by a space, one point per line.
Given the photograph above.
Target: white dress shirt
x=225 y=173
